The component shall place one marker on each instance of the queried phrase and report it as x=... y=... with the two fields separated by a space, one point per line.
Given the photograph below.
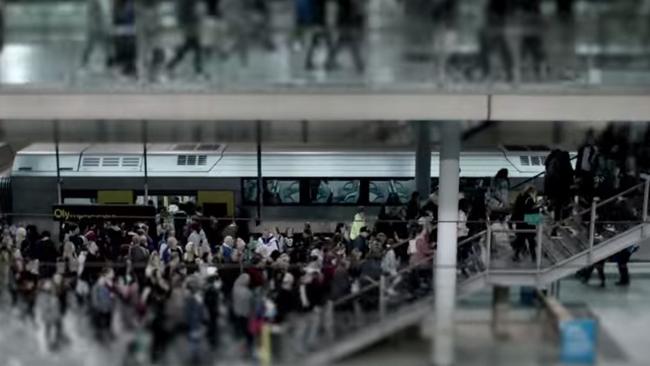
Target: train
x=299 y=183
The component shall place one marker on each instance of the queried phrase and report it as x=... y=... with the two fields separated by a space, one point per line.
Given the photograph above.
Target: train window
x=131 y=162
x=249 y=190
x=182 y=160
x=276 y=191
x=534 y=160
x=203 y=160
x=111 y=162
x=334 y=191
x=524 y=160
x=391 y=192
x=191 y=160
x=90 y=162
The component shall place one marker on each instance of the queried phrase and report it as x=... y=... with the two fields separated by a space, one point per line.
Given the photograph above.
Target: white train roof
x=240 y=160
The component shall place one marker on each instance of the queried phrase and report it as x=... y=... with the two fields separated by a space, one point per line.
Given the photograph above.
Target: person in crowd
x=227 y=249
x=98 y=30
x=358 y=222
x=238 y=18
x=194 y=319
x=267 y=244
x=286 y=298
x=586 y=168
x=622 y=258
x=557 y=185
x=6 y=256
x=361 y=242
x=31 y=237
x=318 y=31
x=502 y=237
x=125 y=51
x=524 y=205
x=585 y=274
x=197 y=235
x=102 y=305
x=498 y=198
x=212 y=301
x=463 y=212
x=171 y=248
x=476 y=219
x=52 y=314
x=413 y=206
x=422 y=255
x=493 y=38
x=608 y=173
x=384 y=223
x=532 y=41
x=188 y=20
x=242 y=310
x=150 y=55
x=138 y=256
x=45 y=251
x=350 y=21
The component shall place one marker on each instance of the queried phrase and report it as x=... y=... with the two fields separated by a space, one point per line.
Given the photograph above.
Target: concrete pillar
x=445 y=262
x=422 y=132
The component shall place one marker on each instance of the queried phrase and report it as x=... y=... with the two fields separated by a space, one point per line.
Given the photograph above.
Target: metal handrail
x=600 y=204
x=408 y=268
x=538 y=175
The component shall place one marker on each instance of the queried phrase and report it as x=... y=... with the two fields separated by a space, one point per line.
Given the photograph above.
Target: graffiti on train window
x=390 y=192
x=337 y=191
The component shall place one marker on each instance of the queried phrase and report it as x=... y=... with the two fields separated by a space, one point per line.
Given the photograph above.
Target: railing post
x=646 y=194
x=488 y=258
x=538 y=248
x=592 y=228
x=382 y=297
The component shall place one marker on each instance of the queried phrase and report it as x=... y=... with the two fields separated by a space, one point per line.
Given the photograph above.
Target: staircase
x=375 y=312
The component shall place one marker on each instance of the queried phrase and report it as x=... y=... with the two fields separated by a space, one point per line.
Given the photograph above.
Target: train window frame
x=370 y=180
x=362 y=200
x=247 y=202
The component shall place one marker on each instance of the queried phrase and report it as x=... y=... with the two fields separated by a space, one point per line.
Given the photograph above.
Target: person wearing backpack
x=102 y=304
x=586 y=167
x=557 y=184
x=524 y=205
x=139 y=257
x=622 y=258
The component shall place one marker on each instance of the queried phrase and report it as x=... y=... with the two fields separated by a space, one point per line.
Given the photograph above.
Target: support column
x=445 y=263
x=422 y=132
x=260 y=187
x=145 y=139
x=59 y=180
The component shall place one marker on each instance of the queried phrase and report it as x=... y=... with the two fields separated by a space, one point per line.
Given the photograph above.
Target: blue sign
x=578 y=341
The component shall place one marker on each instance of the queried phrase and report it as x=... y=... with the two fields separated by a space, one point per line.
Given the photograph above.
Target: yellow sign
x=115 y=197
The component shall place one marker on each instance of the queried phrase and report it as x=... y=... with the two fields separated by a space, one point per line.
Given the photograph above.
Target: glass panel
x=278 y=191
x=249 y=192
x=432 y=44
x=391 y=192
x=335 y=191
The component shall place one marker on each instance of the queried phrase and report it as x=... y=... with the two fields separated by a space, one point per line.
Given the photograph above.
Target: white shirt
x=462 y=229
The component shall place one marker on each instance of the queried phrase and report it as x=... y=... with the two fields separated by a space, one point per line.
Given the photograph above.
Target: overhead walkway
x=587 y=237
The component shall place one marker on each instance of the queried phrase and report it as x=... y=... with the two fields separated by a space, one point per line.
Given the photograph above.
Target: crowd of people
x=195 y=279
x=130 y=32
x=131 y=35
x=173 y=280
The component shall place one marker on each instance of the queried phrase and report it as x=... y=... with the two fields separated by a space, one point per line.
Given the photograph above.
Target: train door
x=219 y=204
